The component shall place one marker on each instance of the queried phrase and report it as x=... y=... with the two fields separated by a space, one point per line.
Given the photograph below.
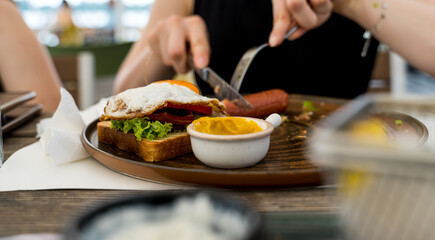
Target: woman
x=322 y=61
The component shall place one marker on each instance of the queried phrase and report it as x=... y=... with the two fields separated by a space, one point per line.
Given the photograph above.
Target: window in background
x=85 y=22
x=38 y=15
x=135 y=15
x=95 y=19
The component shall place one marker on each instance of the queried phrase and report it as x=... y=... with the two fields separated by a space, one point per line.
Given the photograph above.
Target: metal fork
x=246 y=60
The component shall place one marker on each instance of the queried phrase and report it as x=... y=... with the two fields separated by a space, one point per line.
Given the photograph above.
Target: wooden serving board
x=286 y=164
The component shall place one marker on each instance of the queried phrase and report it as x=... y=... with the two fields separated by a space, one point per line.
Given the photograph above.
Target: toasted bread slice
x=174 y=145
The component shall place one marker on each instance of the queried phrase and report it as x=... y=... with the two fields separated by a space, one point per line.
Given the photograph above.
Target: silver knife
x=221 y=88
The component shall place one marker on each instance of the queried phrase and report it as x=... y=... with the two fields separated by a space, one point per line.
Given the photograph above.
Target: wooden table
x=50 y=211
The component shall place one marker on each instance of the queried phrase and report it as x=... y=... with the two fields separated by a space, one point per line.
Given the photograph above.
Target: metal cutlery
x=220 y=87
x=246 y=60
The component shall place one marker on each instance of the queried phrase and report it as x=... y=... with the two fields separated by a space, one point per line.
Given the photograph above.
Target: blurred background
x=88 y=39
x=85 y=22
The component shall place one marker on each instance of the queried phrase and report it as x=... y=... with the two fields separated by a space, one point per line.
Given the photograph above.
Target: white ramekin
x=234 y=151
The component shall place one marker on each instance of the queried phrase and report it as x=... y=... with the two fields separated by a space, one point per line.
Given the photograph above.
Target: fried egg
x=142 y=101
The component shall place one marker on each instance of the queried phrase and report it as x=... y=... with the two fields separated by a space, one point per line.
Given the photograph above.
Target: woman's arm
x=408 y=26
x=24 y=62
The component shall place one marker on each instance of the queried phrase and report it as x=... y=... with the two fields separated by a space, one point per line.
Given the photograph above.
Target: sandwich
x=151 y=121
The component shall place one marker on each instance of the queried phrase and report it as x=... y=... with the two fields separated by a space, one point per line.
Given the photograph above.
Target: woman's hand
x=173 y=37
x=306 y=14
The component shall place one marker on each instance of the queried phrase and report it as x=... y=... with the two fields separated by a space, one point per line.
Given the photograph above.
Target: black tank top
x=325 y=61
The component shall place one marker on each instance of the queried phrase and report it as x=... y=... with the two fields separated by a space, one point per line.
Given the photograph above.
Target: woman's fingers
x=302 y=13
x=322 y=7
x=281 y=22
x=171 y=36
x=156 y=38
x=306 y=14
x=176 y=44
x=197 y=37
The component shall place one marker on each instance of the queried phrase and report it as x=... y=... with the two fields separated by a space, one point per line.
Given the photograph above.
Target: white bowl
x=234 y=151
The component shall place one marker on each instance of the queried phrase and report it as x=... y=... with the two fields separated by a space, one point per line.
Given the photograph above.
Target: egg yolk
x=187 y=84
x=226 y=125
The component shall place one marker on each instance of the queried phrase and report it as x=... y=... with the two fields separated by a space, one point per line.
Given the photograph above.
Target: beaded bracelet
x=368 y=33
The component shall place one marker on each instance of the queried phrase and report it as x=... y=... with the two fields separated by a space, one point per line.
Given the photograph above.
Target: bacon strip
x=171 y=118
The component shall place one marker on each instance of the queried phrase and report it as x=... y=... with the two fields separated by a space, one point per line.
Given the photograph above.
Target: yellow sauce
x=226 y=125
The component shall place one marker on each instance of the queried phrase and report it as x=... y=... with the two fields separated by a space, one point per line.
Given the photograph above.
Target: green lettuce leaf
x=142 y=128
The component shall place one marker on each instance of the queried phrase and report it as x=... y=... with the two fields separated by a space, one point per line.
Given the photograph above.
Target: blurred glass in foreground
x=379 y=150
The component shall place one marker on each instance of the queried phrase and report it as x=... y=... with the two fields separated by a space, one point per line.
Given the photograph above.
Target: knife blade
x=221 y=88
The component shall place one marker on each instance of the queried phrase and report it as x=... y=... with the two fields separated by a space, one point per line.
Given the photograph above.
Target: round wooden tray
x=286 y=163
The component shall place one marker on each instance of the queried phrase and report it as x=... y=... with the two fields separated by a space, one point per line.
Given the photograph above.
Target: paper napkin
x=31 y=169
x=60 y=135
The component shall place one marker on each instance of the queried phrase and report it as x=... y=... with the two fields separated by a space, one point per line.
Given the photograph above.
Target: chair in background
x=106 y=60
x=380 y=81
x=77 y=72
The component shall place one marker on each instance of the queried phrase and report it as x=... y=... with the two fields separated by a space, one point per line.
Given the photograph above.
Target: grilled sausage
x=263 y=104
